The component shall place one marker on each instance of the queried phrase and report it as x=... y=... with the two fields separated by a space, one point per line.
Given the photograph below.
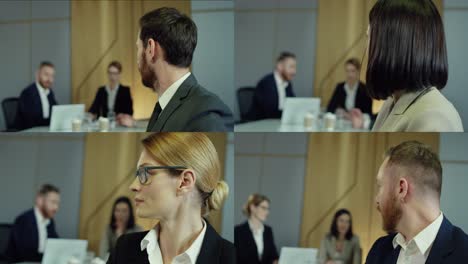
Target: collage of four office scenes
x=233 y=131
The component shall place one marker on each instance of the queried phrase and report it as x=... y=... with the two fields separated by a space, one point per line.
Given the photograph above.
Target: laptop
x=292 y=255
x=60 y=251
x=295 y=109
x=63 y=115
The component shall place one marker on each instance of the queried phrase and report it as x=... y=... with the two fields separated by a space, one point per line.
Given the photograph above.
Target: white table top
x=274 y=125
x=140 y=127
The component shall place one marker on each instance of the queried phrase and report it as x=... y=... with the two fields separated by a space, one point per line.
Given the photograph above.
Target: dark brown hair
x=47 y=188
x=176 y=33
x=355 y=62
x=334 y=225
x=407 y=49
x=115 y=64
x=46 y=64
x=423 y=163
x=284 y=55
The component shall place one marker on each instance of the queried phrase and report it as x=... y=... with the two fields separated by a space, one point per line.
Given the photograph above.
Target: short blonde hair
x=194 y=151
x=254 y=199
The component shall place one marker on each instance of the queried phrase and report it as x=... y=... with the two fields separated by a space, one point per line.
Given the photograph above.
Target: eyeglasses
x=143 y=172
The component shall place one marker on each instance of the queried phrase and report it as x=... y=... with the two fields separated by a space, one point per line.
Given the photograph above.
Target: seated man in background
x=112 y=98
x=36 y=100
x=272 y=90
x=409 y=184
x=350 y=94
x=32 y=228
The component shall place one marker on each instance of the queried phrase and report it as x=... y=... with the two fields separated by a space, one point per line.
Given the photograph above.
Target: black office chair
x=245 y=97
x=10 y=109
x=5 y=230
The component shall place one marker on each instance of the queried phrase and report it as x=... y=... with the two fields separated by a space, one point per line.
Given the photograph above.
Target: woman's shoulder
x=131 y=238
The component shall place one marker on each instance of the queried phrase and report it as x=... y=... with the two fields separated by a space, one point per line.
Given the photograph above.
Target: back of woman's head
x=194 y=151
x=131 y=217
x=407 y=49
x=254 y=199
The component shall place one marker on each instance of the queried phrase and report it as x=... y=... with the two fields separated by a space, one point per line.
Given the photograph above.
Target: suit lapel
x=210 y=249
x=443 y=244
x=182 y=92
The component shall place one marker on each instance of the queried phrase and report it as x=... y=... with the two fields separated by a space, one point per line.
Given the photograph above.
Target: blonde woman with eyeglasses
x=178 y=183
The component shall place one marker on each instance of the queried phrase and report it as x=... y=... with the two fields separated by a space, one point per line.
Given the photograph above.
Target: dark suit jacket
x=30 y=108
x=246 y=249
x=123 y=102
x=362 y=101
x=265 y=101
x=193 y=109
x=214 y=249
x=24 y=238
x=450 y=247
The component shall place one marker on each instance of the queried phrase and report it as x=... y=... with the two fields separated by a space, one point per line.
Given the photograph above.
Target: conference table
x=140 y=127
x=274 y=125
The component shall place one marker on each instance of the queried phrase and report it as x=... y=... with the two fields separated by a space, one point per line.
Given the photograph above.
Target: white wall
x=456 y=21
x=30 y=160
x=31 y=32
x=272 y=164
x=213 y=61
x=266 y=28
x=455 y=178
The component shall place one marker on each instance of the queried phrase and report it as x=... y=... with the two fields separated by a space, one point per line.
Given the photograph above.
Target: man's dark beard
x=147 y=75
x=391 y=215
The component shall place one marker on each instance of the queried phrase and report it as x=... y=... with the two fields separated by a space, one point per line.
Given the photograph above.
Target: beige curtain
x=341 y=34
x=341 y=171
x=108 y=170
x=102 y=31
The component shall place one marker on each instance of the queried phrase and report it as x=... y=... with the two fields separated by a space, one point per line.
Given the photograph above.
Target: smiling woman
x=178 y=183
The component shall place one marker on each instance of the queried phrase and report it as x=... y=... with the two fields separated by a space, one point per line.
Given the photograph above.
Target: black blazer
x=265 y=101
x=123 y=102
x=450 y=247
x=362 y=101
x=193 y=109
x=24 y=238
x=214 y=249
x=246 y=249
x=30 y=108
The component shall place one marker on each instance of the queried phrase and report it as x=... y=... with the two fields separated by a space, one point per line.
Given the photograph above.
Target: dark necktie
x=154 y=117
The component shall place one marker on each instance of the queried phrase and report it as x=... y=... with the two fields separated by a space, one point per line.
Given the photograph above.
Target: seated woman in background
x=122 y=222
x=177 y=183
x=253 y=239
x=408 y=66
x=350 y=94
x=340 y=246
x=113 y=98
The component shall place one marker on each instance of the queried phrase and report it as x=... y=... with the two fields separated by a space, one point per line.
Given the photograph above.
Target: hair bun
x=217 y=197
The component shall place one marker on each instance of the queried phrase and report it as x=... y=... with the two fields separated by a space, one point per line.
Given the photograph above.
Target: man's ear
x=403 y=189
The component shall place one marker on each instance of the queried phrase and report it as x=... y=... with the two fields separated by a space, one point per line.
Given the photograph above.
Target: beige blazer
x=351 y=253
x=423 y=111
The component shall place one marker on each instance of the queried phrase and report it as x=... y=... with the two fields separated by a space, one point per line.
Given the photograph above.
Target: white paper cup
x=329 y=121
x=309 y=120
x=76 y=125
x=103 y=124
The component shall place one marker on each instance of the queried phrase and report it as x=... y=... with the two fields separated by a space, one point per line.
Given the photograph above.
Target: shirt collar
x=280 y=79
x=112 y=91
x=407 y=99
x=262 y=227
x=348 y=88
x=41 y=89
x=39 y=217
x=150 y=242
x=423 y=239
x=169 y=93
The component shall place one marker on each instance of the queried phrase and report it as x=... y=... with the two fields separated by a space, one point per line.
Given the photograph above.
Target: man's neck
x=351 y=84
x=417 y=219
x=167 y=76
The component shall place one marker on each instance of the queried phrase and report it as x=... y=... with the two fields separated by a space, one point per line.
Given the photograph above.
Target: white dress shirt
x=258 y=237
x=111 y=95
x=43 y=93
x=151 y=243
x=42 y=224
x=169 y=93
x=417 y=249
x=350 y=95
x=281 y=86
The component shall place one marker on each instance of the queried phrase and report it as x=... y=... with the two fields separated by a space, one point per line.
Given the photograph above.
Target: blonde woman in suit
x=408 y=66
x=340 y=246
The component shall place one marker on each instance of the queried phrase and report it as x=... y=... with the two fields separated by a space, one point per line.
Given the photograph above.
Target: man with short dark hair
x=32 y=228
x=272 y=90
x=36 y=101
x=409 y=185
x=165 y=46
